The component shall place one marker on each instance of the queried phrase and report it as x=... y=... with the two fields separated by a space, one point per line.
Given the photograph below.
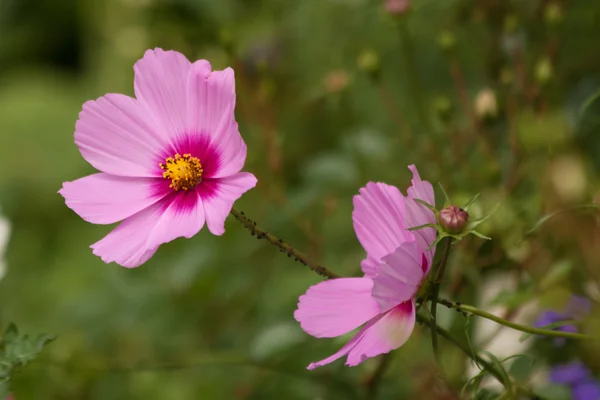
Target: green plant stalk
x=476 y=358
x=435 y=291
x=283 y=246
x=523 y=328
x=414 y=82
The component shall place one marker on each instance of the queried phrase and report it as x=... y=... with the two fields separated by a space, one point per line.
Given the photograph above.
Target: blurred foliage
x=331 y=94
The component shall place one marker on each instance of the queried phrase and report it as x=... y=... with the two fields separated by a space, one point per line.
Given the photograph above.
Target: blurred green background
x=490 y=96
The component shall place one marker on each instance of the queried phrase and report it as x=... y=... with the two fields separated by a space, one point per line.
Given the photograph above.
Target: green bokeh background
x=211 y=317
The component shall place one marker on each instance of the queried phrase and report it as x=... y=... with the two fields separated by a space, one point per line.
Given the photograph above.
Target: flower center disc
x=185 y=172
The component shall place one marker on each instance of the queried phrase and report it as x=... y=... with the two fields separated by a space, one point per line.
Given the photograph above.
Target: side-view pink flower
x=397 y=262
x=170 y=158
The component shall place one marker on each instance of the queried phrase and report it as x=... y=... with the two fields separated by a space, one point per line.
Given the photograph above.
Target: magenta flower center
x=185 y=172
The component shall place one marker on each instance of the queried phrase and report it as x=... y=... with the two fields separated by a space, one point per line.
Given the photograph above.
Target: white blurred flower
x=486 y=105
x=499 y=340
x=4 y=236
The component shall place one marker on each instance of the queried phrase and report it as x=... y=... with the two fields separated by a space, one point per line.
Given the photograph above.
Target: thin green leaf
x=429 y=206
x=588 y=102
x=480 y=235
x=446 y=198
x=476 y=222
x=416 y=228
x=548 y=217
x=470 y=202
x=498 y=364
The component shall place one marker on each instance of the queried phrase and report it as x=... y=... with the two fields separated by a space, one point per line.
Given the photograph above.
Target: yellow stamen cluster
x=185 y=172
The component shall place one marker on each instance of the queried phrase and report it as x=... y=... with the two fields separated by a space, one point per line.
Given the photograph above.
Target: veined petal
x=399 y=276
x=160 y=85
x=211 y=104
x=115 y=134
x=335 y=307
x=218 y=196
x=182 y=217
x=127 y=243
x=138 y=237
x=417 y=214
x=381 y=335
x=106 y=199
x=378 y=222
x=210 y=98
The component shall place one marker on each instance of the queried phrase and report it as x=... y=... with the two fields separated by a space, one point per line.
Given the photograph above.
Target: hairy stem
x=283 y=246
x=523 y=328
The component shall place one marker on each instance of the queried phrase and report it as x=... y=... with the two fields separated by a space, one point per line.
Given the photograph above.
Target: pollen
x=185 y=172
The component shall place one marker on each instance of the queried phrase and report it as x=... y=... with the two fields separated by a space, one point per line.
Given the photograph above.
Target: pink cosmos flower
x=170 y=158
x=397 y=262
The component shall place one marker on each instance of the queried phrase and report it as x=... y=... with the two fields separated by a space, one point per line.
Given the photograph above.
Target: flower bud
x=453 y=219
x=486 y=105
x=553 y=14
x=446 y=40
x=368 y=61
x=543 y=71
x=397 y=7
x=336 y=81
x=443 y=108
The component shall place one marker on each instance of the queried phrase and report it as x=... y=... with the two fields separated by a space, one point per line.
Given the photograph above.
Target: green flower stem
x=414 y=80
x=523 y=328
x=283 y=246
x=435 y=291
x=480 y=361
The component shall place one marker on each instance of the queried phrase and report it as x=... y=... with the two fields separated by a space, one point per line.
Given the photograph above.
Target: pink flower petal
x=211 y=104
x=381 y=335
x=378 y=222
x=137 y=238
x=399 y=276
x=184 y=217
x=417 y=214
x=117 y=136
x=335 y=307
x=106 y=199
x=218 y=196
x=160 y=85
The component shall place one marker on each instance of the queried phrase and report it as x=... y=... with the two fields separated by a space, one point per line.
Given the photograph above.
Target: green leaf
x=480 y=235
x=553 y=392
x=473 y=224
x=10 y=334
x=498 y=365
x=429 y=206
x=446 y=198
x=416 y=228
x=470 y=202
x=521 y=368
x=548 y=217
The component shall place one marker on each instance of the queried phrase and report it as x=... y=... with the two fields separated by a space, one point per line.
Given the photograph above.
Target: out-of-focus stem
x=283 y=246
x=523 y=328
x=414 y=81
x=435 y=291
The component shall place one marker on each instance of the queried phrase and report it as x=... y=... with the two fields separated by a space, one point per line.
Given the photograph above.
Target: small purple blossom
x=569 y=374
x=576 y=376
x=587 y=390
x=577 y=308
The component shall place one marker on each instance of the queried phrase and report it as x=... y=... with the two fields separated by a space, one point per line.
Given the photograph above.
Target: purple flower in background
x=569 y=374
x=577 y=308
x=576 y=376
x=587 y=390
